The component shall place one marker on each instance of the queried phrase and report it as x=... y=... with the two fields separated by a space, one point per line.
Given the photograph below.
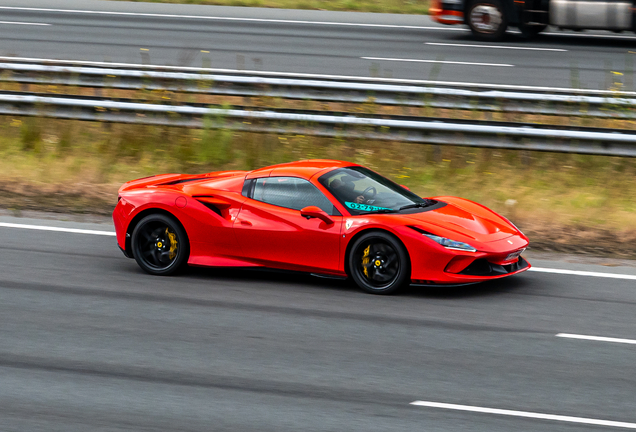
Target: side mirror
x=316 y=212
x=405 y=187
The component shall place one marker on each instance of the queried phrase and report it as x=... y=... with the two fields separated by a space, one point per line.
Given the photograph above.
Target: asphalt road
x=89 y=342
x=315 y=42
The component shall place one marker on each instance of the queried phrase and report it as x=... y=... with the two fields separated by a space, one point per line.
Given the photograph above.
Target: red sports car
x=325 y=217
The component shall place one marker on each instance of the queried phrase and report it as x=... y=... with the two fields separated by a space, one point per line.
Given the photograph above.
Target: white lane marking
x=316 y=76
x=584 y=273
x=596 y=338
x=438 y=61
x=526 y=414
x=496 y=47
x=50 y=228
x=217 y=18
x=24 y=23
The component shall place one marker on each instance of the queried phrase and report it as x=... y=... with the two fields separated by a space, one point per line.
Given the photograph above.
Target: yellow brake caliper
x=173 y=244
x=365 y=260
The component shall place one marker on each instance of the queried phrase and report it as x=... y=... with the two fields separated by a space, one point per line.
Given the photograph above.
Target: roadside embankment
x=384 y=6
x=566 y=203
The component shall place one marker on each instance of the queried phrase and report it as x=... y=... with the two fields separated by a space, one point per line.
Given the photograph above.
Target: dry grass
x=385 y=6
x=564 y=202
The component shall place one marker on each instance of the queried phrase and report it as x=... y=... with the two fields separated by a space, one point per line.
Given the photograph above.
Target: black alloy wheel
x=160 y=245
x=487 y=20
x=378 y=263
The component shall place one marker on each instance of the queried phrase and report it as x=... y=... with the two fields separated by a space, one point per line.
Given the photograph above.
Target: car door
x=271 y=230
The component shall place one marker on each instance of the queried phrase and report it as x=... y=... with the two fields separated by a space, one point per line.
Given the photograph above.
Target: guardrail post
x=145 y=56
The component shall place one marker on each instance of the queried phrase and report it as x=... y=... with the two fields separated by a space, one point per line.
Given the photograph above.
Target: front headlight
x=451 y=244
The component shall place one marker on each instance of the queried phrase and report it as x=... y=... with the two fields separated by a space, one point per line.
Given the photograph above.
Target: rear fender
x=209 y=232
x=131 y=214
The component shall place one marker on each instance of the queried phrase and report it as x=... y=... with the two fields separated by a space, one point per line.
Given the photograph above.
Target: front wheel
x=160 y=245
x=379 y=263
x=487 y=20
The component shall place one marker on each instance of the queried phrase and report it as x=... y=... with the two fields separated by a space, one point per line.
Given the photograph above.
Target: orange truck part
x=447 y=12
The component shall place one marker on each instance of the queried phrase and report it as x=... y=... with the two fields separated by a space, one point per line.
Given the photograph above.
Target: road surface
x=311 y=42
x=90 y=342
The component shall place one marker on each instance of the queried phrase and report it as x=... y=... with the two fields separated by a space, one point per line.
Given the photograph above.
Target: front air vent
x=419 y=230
x=481 y=267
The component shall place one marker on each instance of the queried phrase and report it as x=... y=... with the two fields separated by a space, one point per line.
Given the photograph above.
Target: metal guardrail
x=482 y=134
x=310 y=76
x=591 y=104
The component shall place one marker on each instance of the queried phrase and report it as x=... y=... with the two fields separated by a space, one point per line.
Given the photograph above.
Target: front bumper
x=480 y=270
x=437 y=265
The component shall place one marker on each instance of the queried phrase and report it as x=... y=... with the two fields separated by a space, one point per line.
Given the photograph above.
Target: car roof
x=305 y=168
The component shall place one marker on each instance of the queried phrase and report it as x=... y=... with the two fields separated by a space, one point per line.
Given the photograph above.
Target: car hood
x=455 y=222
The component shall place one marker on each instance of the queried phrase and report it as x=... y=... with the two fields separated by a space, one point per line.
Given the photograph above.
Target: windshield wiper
x=382 y=211
x=416 y=205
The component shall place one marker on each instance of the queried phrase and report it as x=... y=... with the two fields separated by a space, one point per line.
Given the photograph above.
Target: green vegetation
x=386 y=6
x=564 y=202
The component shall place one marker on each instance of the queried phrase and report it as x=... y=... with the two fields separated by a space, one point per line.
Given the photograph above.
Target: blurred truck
x=489 y=19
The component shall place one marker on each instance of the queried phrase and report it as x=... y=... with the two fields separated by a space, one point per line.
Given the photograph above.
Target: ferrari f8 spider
x=325 y=217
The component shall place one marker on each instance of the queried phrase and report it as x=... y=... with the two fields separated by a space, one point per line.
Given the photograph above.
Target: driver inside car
x=346 y=192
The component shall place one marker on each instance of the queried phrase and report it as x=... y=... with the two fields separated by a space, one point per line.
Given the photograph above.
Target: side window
x=290 y=192
x=247 y=188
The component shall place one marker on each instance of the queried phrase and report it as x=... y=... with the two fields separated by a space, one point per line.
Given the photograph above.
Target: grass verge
x=384 y=6
x=568 y=203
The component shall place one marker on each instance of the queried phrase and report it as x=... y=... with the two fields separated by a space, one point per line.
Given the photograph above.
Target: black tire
x=387 y=264
x=487 y=20
x=160 y=245
x=530 y=32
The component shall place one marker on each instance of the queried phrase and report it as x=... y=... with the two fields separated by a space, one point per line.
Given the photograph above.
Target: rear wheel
x=487 y=20
x=160 y=245
x=379 y=264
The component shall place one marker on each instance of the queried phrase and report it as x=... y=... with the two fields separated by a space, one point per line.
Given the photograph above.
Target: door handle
x=246 y=223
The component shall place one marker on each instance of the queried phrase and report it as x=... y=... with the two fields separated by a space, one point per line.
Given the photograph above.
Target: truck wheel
x=487 y=20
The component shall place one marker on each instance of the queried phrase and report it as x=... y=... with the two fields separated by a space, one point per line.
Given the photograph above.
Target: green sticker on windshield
x=364 y=207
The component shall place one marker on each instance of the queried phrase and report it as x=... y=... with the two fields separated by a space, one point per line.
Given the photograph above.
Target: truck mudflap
x=447 y=11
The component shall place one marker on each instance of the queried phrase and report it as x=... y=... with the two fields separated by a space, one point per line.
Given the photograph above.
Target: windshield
x=361 y=191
